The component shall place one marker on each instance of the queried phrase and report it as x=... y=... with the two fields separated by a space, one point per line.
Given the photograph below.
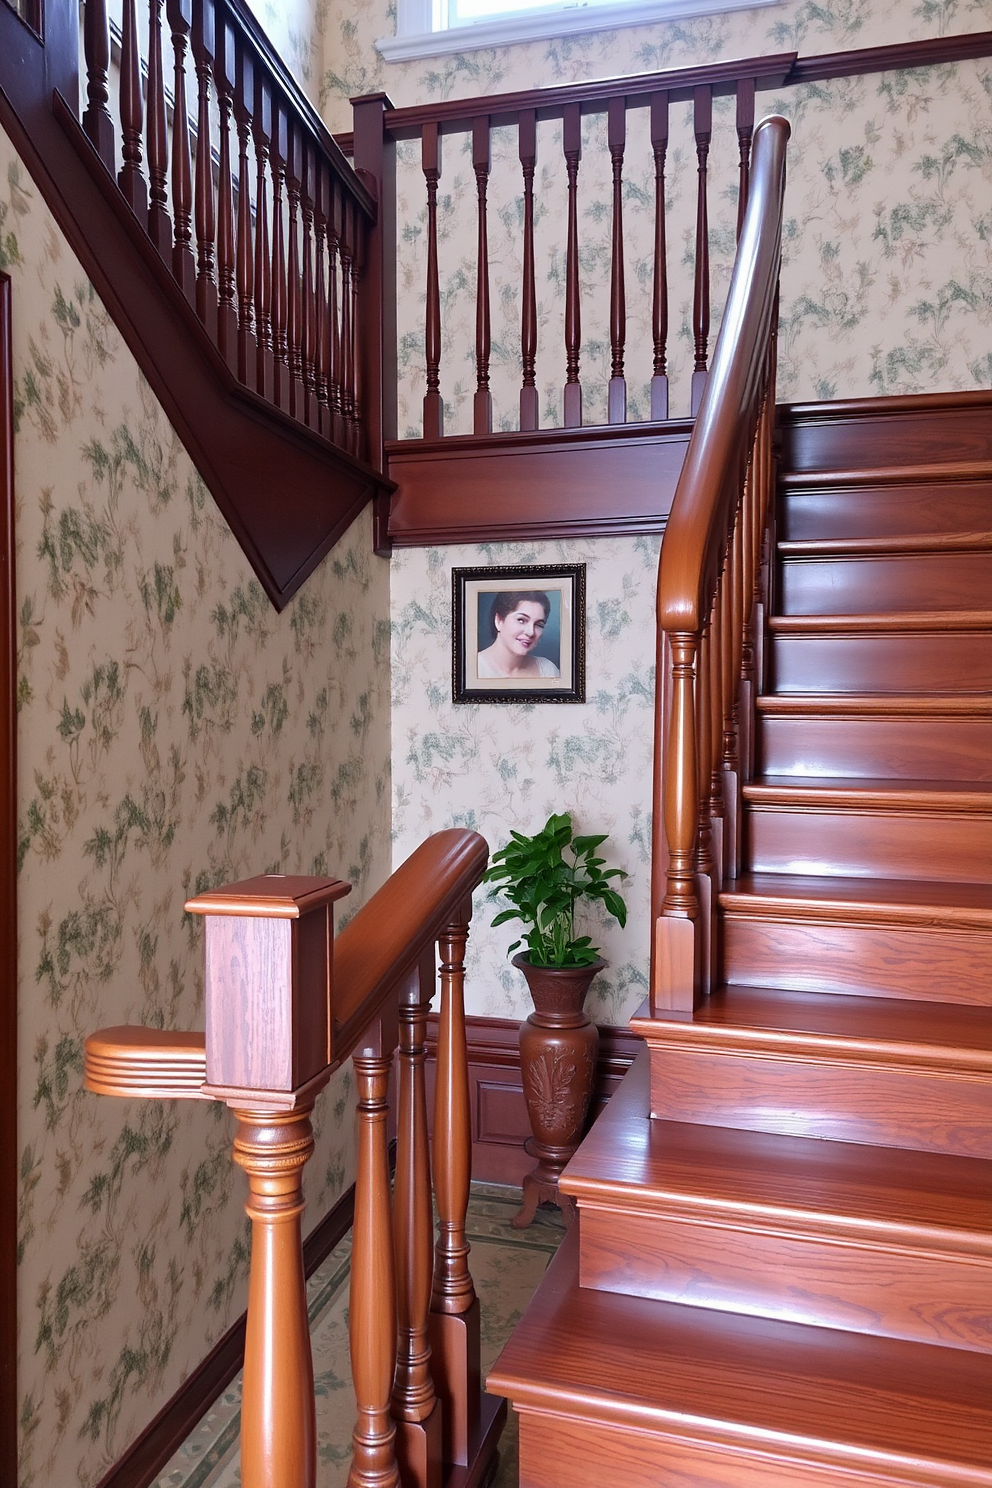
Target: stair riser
x=953 y=848
x=885 y=511
x=927 y=964
x=891 y=748
x=898 y=662
x=563 y=1451
x=810 y=1094
x=872 y=586
x=826 y=1282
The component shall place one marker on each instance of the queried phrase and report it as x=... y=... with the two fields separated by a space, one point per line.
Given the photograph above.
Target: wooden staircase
x=782 y=1268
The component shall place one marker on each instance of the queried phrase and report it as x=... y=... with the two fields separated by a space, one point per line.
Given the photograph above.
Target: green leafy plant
x=543 y=877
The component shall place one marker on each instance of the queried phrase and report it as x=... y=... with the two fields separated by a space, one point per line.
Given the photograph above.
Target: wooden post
x=571 y=133
x=481 y=163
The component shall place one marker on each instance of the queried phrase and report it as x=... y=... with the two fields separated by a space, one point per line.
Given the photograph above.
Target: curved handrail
x=709 y=485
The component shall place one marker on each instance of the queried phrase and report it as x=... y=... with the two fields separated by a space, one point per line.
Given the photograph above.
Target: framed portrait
x=518 y=634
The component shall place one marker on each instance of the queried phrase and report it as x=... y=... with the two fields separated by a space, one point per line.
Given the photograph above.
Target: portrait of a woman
x=519 y=618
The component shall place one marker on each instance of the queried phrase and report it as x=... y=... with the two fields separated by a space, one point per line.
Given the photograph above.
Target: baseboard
x=499 y=1113
x=149 y=1452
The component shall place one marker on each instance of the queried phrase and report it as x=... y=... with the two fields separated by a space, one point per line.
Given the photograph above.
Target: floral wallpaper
x=174 y=733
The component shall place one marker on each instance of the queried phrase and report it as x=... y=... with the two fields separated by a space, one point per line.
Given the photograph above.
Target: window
x=426 y=28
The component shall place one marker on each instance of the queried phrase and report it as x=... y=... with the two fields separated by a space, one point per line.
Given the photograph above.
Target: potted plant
x=544 y=877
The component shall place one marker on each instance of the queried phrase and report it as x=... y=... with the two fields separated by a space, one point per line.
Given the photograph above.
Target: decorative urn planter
x=558 y=1045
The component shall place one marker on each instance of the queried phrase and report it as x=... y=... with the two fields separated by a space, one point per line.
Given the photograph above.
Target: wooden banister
x=709 y=584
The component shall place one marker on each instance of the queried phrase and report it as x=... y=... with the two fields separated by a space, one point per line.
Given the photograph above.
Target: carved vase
x=558 y=1044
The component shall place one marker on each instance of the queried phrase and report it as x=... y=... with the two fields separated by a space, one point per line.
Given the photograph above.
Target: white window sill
x=547 y=24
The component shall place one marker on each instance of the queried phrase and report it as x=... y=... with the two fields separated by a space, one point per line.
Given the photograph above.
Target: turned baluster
x=415 y=1406
x=571 y=128
x=130 y=177
x=159 y=221
x=248 y=346
x=262 y=287
x=347 y=305
x=203 y=55
x=225 y=63
x=714 y=785
x=98 y=124
x=294 y=287
x=481 y=163
x=372 y=1322
x=703 y=859
x=358 y=267
x=617 y=135
x=279 y=342
x=703 y=128
x=179 y=13
x=454 y=1305
x=659 y=302
x=527 y=150
x=322 y=331
x=308 y=327
x=334 y=228
x=745 y=133
x=430 y=156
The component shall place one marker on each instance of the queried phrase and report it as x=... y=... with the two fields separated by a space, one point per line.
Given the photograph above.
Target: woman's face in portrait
x=521 y=630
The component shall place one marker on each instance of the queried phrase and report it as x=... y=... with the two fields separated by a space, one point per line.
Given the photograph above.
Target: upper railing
x=711 y=589
x=286 y=1005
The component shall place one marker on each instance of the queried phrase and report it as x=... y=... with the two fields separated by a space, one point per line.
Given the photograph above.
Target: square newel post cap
x=269 y=964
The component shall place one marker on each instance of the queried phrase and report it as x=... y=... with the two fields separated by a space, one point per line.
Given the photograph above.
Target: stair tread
x=710 y=1172
x=888 y=794
x=889 y=546
x=725 y=1377
x=884 y=704
x=882 y=1027
x=891 y=899
x=884 y=620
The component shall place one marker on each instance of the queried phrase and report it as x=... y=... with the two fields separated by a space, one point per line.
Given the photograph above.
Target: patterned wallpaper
x=174 y=733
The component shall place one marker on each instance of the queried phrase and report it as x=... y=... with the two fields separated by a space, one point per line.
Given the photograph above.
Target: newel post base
x=278 y=1416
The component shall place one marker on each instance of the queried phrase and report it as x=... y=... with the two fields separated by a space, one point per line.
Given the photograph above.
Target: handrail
x=286 y=1006
x=710 y=604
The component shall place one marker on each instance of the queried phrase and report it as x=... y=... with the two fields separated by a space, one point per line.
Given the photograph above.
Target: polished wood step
x=945 y=737
x=810 y=507
x=897 y=652
x=869 y=828
x=832 y=1234
x=861 y=937
x=876 y=575
x=614 y=1389
x=889 y=1071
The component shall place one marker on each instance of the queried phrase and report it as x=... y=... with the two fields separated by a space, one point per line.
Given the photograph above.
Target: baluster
x=703 y=125
x=159 y=221
x=184 y=269
x=676 y=927
x=322 y=330
x=745 y=132
x=262 y=134
x=357 y=269
x=334 y=316
x=347 y=340
x=571 y=134
x=527 y=150
x=481 y=163
x=279 y=344
x=659 y=305
x=278 y=1425
x=617 y=135
x=308 y=328
x=373 y=1284
x=248 y=347
x=717 y=812
x=414 y=1403
x=430 y=156
x=225 y=74
x=454 y=1305
x=746 y=709
x=703 y=860
x=294 y=295
x=130 y=177
x=732 y=739
x=203 y=54
x=98 y=124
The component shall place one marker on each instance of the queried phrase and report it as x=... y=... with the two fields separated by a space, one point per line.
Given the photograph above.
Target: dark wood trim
x=929 y=52
x=499 y=1115
x=9 y=1181
x=862 y=435
x=149 y=1452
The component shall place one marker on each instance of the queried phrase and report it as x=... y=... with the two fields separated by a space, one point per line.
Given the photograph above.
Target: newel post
x=269 y=963
x=676 y=961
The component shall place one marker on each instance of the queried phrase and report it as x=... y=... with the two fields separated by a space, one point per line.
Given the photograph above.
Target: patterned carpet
x=506 y=1264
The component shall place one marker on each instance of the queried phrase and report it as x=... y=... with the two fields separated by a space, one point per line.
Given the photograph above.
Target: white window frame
x=421 y=24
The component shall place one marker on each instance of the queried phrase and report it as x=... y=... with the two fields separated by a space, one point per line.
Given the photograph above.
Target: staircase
x=782 y=1268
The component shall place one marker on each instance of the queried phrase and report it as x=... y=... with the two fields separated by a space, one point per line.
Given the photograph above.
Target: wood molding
x=499 y=1115
x=9 y=1176
x=149 y=1452
x=856 y=435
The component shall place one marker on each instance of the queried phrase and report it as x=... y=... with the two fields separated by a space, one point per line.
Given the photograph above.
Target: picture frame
x=507 y=651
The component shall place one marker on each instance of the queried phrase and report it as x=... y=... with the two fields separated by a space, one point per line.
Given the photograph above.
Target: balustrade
x=286 y=1004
